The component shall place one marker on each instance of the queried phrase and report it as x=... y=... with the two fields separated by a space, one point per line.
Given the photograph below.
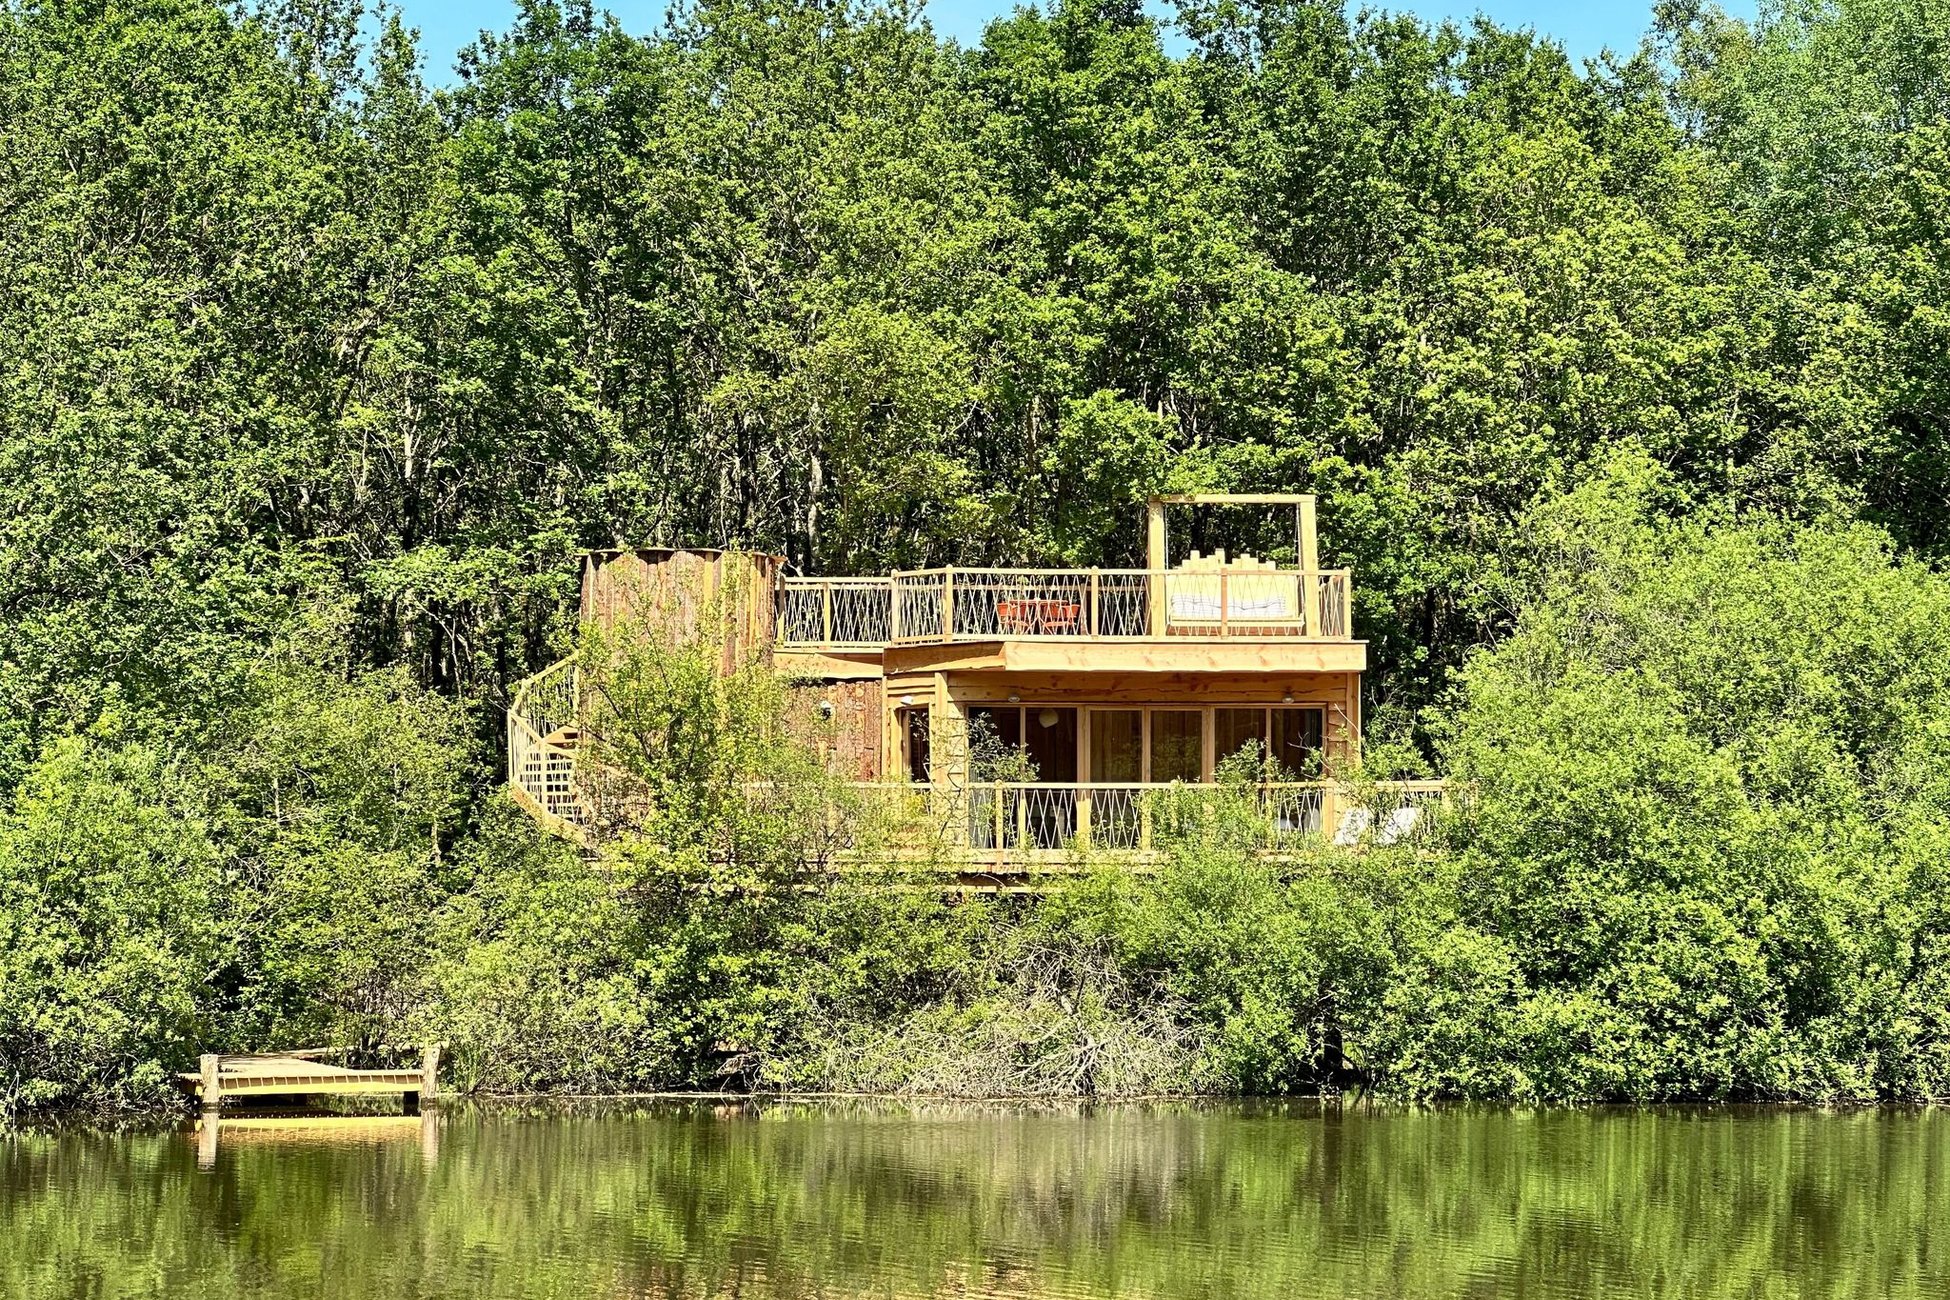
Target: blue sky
x=1585 y=29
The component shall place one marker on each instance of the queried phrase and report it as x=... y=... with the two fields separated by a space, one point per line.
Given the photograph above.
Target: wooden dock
x=303 y=1073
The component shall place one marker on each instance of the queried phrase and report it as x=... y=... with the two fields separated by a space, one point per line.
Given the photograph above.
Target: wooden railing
x=542 y=744
x=956 y=604
x=836 y=613
x=1014 y=821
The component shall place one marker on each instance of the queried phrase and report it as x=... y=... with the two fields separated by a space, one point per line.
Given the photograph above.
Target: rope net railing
x=962 y=604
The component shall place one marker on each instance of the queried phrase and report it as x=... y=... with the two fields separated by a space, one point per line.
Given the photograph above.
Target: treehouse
x=1032 y=711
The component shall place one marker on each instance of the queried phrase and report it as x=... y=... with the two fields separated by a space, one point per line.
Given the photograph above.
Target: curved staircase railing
x=542 y=742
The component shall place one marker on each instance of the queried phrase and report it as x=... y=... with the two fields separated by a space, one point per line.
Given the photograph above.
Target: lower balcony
x=1010 y=824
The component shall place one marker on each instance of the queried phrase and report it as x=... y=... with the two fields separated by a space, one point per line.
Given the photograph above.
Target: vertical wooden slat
x=1155 y=561
x=1310 y=569
x=1225 y=602
x=948 y=604
x=826 y=612
x=1095 y=626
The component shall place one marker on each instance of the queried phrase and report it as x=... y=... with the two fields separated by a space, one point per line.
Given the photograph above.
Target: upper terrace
x=1202 y=597
x=1207 y=598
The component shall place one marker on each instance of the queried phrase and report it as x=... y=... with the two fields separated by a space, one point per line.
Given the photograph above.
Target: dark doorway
x=918 y=742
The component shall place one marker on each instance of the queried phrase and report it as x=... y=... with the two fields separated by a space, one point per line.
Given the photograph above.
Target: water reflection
x=797 y=1201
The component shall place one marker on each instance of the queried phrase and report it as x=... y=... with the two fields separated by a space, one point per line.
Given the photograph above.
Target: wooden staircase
x=543 y=740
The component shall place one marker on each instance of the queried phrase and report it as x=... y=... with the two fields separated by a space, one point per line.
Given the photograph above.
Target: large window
x=1170 y=744
x=1017 y=743
x=1117 y=745
x=1235 y=730
x=1044 y=735
x=1288 y=739
x=1177 y=744
x=1297 y=737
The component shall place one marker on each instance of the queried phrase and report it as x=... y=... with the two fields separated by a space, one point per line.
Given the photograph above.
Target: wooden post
x=1225 y=602
x=1155 y=560
x=430 y=1073
x=1154 y=534
x=947 y=737
x=1095 y=627
x=1309 y=567
x=826 y=612
x=1309 y=539
x=210 y=1090
x=948 y=604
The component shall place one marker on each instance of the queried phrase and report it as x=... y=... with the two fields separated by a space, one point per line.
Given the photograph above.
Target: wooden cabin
x=1046 y=705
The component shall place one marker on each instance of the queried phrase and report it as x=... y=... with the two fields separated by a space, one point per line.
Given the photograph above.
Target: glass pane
x=1116 y=745
x=1296 y=741
x=995 y=742
x=1176 y=745
x=1050 y=737
x=917 y=745
x=1234 y=729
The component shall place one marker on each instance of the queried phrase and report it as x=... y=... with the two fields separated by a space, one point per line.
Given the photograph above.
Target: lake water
x=804 y=1201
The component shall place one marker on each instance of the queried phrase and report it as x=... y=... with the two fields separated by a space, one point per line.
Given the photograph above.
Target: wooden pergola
x=1306 y=542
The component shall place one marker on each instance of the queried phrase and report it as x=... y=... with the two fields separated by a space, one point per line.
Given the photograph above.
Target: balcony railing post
x=1083 y=797
x=948 y=604
x=894 y=607
x=1225 y=603
x=1096 y=623
x=826 y=611
x=1310 y=601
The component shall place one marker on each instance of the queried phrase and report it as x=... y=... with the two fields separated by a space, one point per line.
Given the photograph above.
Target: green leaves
x=112 y=929
x=1691 y=805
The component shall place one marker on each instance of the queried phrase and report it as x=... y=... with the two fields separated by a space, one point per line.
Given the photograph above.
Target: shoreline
x=178 y=1119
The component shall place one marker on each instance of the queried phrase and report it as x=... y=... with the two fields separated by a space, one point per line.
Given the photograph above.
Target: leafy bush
x=112 y=928
x=1706 y=773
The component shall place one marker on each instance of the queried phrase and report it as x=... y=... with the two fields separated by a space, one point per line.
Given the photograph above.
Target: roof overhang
x=1155 y=655
x=828 y=665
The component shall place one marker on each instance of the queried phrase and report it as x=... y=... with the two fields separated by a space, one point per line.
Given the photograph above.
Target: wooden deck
x=303 y=1074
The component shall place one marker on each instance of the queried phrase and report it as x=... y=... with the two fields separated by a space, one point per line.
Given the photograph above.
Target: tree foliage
x=314 y=379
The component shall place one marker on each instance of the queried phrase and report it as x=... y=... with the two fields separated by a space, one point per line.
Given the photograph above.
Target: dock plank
x=274 y=1075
